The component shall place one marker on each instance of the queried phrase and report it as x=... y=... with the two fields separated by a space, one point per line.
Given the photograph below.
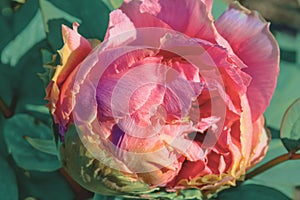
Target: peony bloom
x=171 y=99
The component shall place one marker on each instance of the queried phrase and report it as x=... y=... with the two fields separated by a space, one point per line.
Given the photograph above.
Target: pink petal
x=191 y=17
x=59 y=94
x=150 y=6
x=75 y=50
x=120 y=28
x=179 y=96
x=208 y=4
x=176 y=137
x=124 y=92
x=250 y=38
x=140 y=18
x=149 y=158
x=246 y=129
x=260 y=141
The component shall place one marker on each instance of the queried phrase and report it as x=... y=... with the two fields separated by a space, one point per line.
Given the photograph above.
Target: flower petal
x=260 y=141
x=251 y=40
x=149 y=158
x=140 y=17
x=125 y=84
x=75 y=49
x=195 y=18
x=119 y=27
x=246 y=133
x=176 y=136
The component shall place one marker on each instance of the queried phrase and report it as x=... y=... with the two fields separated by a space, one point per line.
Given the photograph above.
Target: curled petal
x=246 y=134
x=75 y=49
x=119 y=24
x=251 y=40
x=142 y=18
x=194 y=20
x=260 y=141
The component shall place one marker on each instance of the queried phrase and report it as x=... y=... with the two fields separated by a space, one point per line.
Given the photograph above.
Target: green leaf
x=32 y=34
x=50 y=12
x=283 y=177
x=287 y=89
x=113 y=4
x=8 y=184
x=191 y=194
x=43 y=185
x=218 y=8
x=290 y=127
x=21 y=34
x=92 y=16
x=46 y=146
x=181 y=195
x=102 y=197
x=27 y=86
x=250 y=192
x=23 y=153
x=26 y=31
x=285 y=94
x=37 y=108
x=97 y=177
x=20 y=1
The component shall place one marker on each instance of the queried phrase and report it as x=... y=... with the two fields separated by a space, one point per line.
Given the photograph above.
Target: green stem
x=272 y=163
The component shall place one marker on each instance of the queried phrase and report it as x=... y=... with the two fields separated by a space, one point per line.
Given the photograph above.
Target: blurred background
x=30 y=33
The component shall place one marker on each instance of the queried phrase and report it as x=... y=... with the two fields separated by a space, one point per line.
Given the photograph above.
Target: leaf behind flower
x=8 y=184
x=26 y=156
x=250 y=192
x=290 y=127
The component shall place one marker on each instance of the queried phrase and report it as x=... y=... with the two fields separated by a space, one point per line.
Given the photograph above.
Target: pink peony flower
x=170 y=98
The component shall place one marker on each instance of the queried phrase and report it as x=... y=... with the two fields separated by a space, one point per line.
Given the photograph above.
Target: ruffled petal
x=246 y=130
x=251 y=40
x=120 y=28
x=140 y=17
x=147 y=156
x=122 y=92
x=192 y=17
x=260 y=141
x=176 y=137
x=75 y=49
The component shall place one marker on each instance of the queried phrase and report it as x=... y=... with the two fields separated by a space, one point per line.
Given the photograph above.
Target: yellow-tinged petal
x=246 y=134
x=260 y=141
x=75 y=49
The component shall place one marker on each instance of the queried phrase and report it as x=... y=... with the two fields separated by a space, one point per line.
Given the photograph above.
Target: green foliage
x=25 y=155
x=23 y=27
x=219 y=6
x=30 y=35
x=287 y=89
x=8 y=183
x=250 y=192
x=45 y=146
x=113 y=4
x=43 y=185
x=283 y=177
x=92 y=15
x=290 y=127
x=21 y=39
